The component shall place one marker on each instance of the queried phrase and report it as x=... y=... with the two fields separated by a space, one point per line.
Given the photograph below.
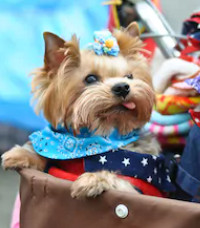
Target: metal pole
x=156 y=23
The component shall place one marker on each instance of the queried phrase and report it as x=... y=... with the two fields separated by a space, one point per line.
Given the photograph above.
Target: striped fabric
x=170 y=130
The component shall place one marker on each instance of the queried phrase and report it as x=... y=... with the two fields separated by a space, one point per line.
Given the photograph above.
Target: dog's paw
x=18 y=158
x=94 y=184
x=89 y=185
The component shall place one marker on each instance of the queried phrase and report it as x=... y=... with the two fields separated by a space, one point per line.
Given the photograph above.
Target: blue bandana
x=104 y=44
x=62 y=144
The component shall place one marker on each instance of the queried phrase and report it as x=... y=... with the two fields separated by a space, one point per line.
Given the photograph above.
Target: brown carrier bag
x=46 y=203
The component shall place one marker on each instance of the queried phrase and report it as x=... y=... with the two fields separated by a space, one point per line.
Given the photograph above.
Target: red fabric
x=195 y=116
x=111 y=21
x=190 y=58
x=150 y=45
x=190 y=45
x=75 y=166
x=72 y=169
x=145 y=187
x=59 y=173
x=195 y=17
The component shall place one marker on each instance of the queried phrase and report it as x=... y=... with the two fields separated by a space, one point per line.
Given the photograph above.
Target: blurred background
x=21 y=50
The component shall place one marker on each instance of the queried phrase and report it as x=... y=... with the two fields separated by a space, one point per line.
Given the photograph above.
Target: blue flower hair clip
x=105 y=43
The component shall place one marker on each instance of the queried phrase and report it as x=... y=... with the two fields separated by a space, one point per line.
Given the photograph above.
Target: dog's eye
x=129 y=76
x=91 y=78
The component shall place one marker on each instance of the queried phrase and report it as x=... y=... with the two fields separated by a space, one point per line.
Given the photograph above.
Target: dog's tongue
x=129 y=105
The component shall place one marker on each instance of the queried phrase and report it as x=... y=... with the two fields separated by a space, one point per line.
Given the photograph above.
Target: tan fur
x=19 y=157
x=146 y=145
x=94 y=184
x=61 y=93
x=65 y=98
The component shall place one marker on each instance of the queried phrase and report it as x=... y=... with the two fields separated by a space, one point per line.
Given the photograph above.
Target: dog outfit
x=87 y=152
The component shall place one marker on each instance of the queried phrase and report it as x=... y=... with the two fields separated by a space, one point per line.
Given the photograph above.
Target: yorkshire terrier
x=104 y=87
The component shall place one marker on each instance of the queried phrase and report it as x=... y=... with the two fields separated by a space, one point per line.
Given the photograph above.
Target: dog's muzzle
x=121 y=89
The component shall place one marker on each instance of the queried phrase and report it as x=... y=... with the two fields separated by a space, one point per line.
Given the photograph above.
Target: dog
x=82 y=88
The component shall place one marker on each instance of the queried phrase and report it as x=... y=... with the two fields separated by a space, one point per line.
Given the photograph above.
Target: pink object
x=129 y=105
x=16 y=213
x=182 y=85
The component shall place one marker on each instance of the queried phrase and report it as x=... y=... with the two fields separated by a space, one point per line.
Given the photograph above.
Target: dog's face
x=82 y=89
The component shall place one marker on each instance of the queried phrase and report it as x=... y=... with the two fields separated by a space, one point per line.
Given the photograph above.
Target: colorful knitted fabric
x=167 y=104
x=172 y=140
x=171 y=130
x=157 y=118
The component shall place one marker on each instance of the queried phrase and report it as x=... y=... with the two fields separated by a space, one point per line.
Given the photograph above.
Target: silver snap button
x=121 y=211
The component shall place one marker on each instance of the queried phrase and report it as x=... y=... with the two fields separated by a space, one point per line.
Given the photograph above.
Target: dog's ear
x=72 y=52
x=53 y=53
x=57 y=49
x=133 y=29
x=128 y=40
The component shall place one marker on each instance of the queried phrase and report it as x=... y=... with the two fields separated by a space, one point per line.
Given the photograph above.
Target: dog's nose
x=121 y=89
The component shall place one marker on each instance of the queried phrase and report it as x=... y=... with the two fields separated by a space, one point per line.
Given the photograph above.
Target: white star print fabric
x=102 y=159
x=143 y=166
